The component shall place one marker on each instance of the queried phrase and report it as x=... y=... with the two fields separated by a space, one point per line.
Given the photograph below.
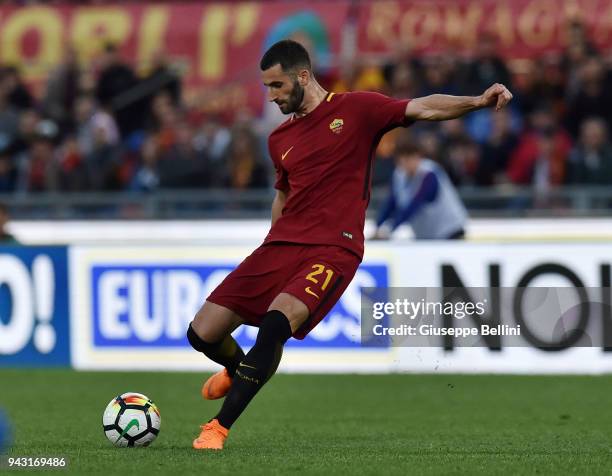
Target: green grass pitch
x=325 y=424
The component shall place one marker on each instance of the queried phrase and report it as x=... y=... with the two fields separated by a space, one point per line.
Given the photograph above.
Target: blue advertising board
x=34 y=327
x=151 y=305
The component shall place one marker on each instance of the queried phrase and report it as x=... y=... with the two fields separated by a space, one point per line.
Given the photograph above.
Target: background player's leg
x=210 y=333
x=285 y=315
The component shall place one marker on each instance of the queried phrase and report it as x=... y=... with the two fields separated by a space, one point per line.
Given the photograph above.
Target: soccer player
x=323 y=159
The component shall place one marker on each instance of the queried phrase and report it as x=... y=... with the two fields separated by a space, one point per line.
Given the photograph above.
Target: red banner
x=524 y=28
x=219 y=45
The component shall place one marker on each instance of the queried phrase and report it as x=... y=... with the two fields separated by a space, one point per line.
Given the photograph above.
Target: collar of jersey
x=315 y=112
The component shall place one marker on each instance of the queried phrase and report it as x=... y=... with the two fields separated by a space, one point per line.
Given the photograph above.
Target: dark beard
x=295 y=98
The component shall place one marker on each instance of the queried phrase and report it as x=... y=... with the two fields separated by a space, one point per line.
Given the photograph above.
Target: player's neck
x=314 y=95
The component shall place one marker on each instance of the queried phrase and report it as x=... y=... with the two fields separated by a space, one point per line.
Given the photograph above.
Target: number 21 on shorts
x=320 y=276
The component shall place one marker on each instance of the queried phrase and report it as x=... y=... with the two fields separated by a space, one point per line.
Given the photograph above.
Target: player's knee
x=195 y=340
x=210 y=325
x=201 y=343
x=274 y=328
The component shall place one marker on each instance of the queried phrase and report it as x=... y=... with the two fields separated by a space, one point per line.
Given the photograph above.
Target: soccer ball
x=131 y=419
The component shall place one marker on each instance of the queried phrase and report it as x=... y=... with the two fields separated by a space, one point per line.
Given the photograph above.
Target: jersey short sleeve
x=382 y=112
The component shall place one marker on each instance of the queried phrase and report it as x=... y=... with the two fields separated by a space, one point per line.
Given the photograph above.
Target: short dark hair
x=288 y=53
x=406 y=148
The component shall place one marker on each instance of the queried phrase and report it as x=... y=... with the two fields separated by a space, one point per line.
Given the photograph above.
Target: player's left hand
x=497 y=95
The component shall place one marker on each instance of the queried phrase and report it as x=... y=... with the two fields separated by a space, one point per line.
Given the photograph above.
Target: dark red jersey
x=324 y=162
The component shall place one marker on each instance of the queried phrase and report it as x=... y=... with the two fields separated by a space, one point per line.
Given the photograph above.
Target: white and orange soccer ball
x=131 y=419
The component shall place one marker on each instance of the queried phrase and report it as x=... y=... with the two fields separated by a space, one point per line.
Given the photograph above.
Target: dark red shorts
x=315 y=274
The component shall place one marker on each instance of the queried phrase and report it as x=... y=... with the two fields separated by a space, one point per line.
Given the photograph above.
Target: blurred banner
x=33 y=306
x=217 y=44
x=522 y=28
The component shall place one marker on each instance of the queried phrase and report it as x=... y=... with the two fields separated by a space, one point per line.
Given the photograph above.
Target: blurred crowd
x=556 y=131
x=110 y=128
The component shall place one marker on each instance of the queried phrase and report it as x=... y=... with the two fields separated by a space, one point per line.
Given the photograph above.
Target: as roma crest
x=336 y=126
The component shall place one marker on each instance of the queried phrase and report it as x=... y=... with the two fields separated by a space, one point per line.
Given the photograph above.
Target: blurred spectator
x=17 y=92
x=115 y=81
x=496 y=151
x=428 y=141
x=438 y=77
x=593 y=97
x=403 y=57
x=540 y=157
x=579 y=49
x=459 y=154
x=360 y=77
x=9 y=118
x=180 y=164
x=487 y=67
x=539 y=82
x=369 y=77
x=97 y=137
x=552 y=83
x=213 y=139
x=147 y=178
x=383 y=166
x=182 y=145
x=96 y=127
x=245 y=167
x=403 y=82
x=591 y=160
x=164 y=120
x=162 y=77
x=39 y=170
x=452 y=131
x=72 y=173
x=62 y=91
x=5 y=237
x=543 y=143
x=29 y=122
x=462 y=160
x=8 y=172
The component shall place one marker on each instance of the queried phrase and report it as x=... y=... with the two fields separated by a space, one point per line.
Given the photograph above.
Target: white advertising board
x=130 y=305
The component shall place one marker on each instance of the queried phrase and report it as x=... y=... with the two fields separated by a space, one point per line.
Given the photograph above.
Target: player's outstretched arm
x=440 y=107
x=278 y=204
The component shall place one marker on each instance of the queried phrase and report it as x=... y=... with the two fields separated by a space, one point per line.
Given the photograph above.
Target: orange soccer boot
x=211 y=437
x=217 y=386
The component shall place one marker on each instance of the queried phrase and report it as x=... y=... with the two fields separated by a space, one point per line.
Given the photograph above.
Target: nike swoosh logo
x=285 y=154
x=133 y=422
x=245 y=365
x=309 y=291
